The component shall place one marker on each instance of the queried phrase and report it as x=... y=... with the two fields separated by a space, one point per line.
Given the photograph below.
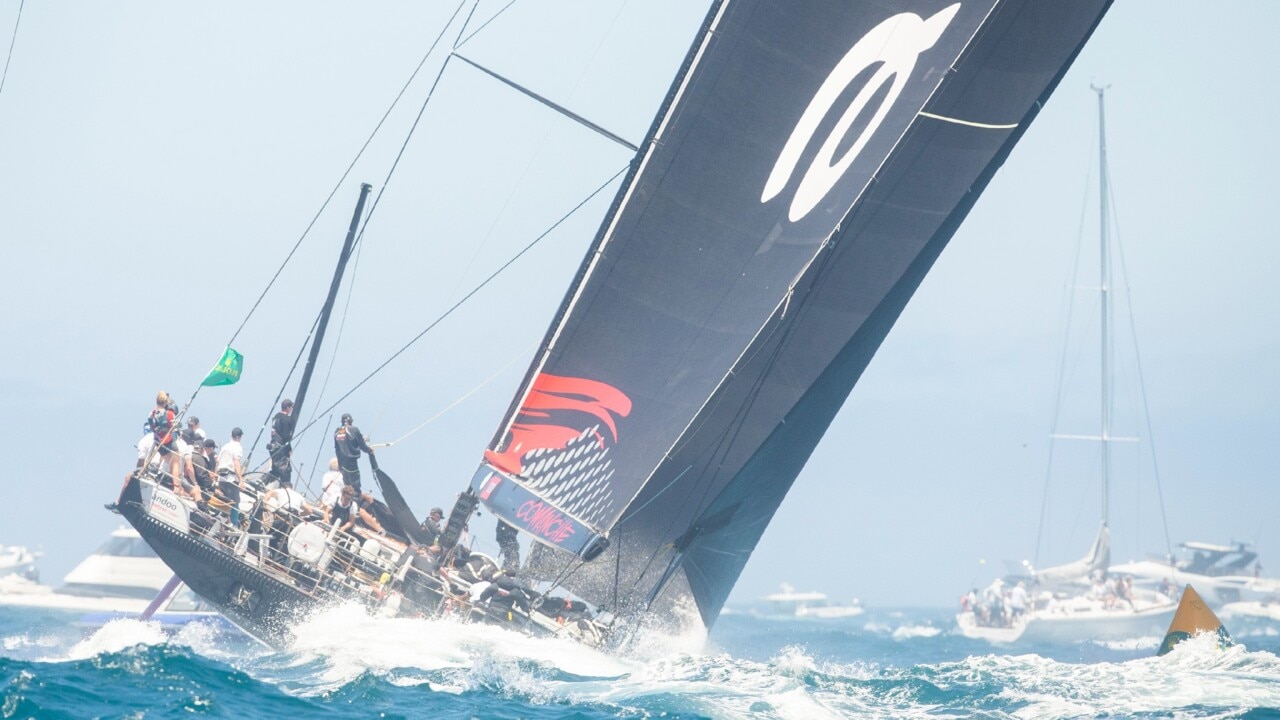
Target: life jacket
x=161 y=421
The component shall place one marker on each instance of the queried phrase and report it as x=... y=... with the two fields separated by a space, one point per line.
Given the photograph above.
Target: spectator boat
x=789 y=603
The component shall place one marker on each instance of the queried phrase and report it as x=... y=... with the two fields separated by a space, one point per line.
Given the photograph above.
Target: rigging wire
x=342 y=325
x=1142 y=383
x=368 y=219
x=479 y=248
x=501 y=211
x=372 y=209
x=467 y=39
x=492 y=276
x=521 y=354
x=467 y=21
x=1068 y=310
x=13 y=40
x=283 y=386
x=541 y=143
x=316 y=463
x=347 y=172
x=306 y=231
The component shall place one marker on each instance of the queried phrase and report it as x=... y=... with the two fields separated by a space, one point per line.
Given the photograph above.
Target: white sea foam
x=909 y=632
x=115 y=636
x=349 y=642
x=1142 y=643
x=26 y=640
x=905 y=631
x=793 y=661
x=338 y=646
x=682 y=632
x=720 y=686
x=1197 y=672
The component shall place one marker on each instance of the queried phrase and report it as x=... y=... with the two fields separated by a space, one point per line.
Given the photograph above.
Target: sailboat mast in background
x=1104 y=288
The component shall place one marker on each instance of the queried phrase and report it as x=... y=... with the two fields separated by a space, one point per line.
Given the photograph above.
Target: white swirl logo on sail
x=896 y=45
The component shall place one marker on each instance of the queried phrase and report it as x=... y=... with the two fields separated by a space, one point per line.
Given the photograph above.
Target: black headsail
x=811 y=161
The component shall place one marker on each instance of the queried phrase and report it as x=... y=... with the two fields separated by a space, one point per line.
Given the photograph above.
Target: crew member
x=280 y=447
x=431 y=526
x=348 y=442
x=231 y=473
x=161 y=422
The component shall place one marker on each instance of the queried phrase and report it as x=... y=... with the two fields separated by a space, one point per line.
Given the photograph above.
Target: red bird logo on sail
x=550 y=397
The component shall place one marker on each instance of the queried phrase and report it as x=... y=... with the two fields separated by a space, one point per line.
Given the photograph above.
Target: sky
x=159 y=161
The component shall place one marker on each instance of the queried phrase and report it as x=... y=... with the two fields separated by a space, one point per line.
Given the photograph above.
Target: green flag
x=227 y=371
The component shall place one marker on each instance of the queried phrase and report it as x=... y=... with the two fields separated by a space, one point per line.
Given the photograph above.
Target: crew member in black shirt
x=431 y=526
x=348 y=442
x=281 y=447
x=344 y=512
x=205 y=464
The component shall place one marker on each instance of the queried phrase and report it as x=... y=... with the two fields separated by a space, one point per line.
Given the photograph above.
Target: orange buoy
x=1193 y=616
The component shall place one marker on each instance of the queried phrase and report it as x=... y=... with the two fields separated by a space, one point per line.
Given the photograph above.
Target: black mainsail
x=812 y=159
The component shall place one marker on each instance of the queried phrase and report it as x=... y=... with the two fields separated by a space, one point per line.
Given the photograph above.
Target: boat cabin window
x=126 y=547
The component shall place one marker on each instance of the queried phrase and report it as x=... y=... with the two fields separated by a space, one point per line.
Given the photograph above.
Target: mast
x=1104 y=288
x=169 y=587
x=328 y=304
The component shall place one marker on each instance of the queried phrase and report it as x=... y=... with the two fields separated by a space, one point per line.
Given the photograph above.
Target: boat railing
x=319 y=560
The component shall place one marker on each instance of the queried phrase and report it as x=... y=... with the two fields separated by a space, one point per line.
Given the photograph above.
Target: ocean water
x=907 y=663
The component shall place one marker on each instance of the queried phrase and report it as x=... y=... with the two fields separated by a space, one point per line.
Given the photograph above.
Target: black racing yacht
x=809 y=163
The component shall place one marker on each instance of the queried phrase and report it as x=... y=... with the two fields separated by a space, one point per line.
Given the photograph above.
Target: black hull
x=259 y=603
x=268 y=605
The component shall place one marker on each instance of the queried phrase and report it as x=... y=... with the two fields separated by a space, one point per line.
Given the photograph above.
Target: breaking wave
x=347 y=664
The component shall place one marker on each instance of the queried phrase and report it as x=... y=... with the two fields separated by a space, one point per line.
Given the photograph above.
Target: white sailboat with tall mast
x=1073 y=602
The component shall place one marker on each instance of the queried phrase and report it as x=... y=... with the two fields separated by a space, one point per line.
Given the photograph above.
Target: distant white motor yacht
x=118 y=580
x=123 y=575
x=1255 y=610
x=1229 y=574
x=19 y=561
x=790 y=603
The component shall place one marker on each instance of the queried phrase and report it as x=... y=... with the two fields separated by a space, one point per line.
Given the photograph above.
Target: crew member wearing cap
x=204 y=462
x=348 y=442
x=280 y=446
x=193 y=424
x=431 y=526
